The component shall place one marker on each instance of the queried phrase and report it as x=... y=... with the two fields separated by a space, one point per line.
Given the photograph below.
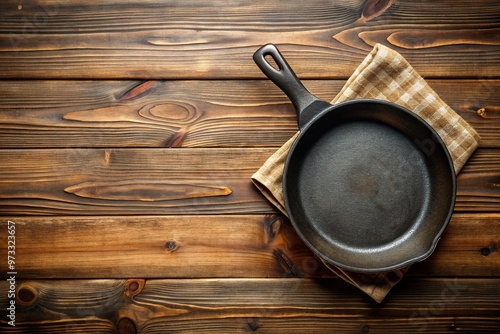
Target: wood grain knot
x=145 y=190
x=138 y=91
x=286 y=265
x=126 y=326
x=171 y=246
x=431 y=38
x=26 y=295
x=176 y=139
x=481 y=112
x=365 y=329
x=273 y=225
x=252 y=325
x=172 y=112
x=133 y=287
x=374 y=8
x=485 y=251
x=489 y=112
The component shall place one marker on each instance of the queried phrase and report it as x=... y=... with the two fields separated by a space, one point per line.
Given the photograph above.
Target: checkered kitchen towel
x=385 y=75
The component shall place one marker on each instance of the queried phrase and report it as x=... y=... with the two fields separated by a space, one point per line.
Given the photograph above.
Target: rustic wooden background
x=128 y=134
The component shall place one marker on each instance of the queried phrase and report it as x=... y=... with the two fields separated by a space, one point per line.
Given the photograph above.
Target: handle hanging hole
x=270 y=60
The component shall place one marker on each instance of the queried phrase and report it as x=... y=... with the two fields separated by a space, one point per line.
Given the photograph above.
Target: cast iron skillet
x=368 y=185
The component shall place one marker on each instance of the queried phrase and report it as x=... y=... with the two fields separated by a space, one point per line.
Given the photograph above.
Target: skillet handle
x=287 y=81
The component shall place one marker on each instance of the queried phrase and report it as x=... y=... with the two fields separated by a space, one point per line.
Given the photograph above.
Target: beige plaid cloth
x=385 y=75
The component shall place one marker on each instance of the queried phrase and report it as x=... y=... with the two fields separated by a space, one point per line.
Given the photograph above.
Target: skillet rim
x=444 y=224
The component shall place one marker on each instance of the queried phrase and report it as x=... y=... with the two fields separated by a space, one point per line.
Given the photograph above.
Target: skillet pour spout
x=368 y=185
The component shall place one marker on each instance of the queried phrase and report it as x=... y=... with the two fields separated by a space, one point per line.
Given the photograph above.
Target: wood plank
x=215 y=246
x=200 y=39
x=247 y=305
x=478 y=184
x=130 y=181
x=463 y=250
x=50 y=114
x=173 y=181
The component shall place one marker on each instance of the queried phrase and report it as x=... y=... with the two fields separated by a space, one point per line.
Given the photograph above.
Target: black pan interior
x=369 y=186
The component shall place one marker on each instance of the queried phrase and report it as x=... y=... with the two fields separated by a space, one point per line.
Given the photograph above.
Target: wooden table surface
x=128 y=134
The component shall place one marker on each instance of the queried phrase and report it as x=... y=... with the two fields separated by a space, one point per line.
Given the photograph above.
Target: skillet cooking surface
x=368 y=186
